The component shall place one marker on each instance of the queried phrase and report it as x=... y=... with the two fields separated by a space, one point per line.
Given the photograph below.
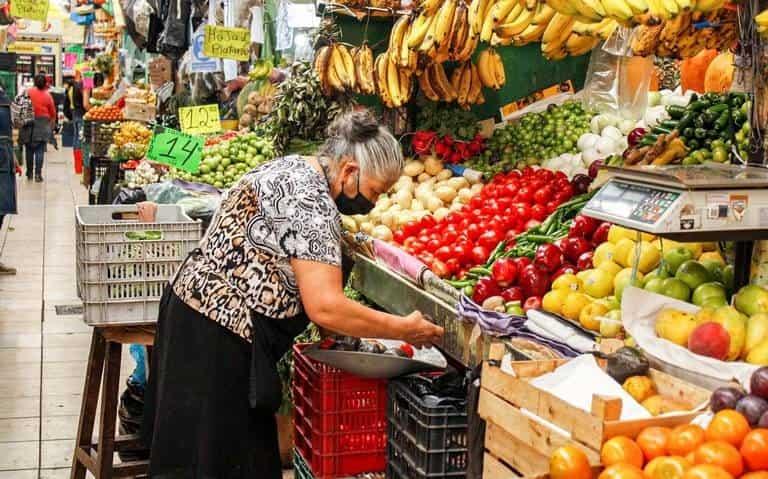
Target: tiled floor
x=42 y=355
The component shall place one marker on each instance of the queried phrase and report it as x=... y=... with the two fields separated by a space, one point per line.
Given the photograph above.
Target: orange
x=729 y=426
x=720 y=453
x=756 y=475
x=653 y=441
x=569 y=462
x=707 y=471
x=754 y=450
x=621 y=449
x=622 y=471
x=684 y=439
x=667 y=467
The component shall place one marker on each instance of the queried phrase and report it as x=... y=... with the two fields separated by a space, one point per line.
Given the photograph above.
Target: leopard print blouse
x=280 y=210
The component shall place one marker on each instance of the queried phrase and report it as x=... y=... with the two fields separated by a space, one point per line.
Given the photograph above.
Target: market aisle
x=42 y=353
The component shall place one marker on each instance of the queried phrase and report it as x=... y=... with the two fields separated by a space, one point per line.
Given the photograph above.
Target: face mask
x=359 y=205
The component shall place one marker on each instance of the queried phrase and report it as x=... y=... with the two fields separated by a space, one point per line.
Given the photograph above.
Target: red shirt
x=42 y=103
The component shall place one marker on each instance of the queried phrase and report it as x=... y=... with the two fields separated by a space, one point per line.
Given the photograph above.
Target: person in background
x=78 y=102
x=7 y=168
x=36 y=135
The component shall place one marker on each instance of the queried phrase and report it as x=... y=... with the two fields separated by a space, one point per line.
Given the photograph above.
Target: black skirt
x=198 y=421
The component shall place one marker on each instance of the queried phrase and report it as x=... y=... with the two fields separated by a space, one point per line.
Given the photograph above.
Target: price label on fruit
x=30 y=9
x=197 y=120
x=177 y=149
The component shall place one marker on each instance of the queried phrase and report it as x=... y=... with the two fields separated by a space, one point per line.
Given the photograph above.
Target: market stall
x=577 y=216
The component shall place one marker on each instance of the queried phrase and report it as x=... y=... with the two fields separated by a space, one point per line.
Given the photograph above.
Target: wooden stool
x=106 y=349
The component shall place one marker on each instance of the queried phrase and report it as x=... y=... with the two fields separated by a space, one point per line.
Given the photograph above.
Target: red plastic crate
x=340 y=419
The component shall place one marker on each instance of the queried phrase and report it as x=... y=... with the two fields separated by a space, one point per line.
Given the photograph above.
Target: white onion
x=612 y=132
x=587 y=141
x=605 y=146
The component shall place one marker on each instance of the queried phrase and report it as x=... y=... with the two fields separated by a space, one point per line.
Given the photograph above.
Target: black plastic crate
x=424 y=441
x=424 y=462
x=437 y=427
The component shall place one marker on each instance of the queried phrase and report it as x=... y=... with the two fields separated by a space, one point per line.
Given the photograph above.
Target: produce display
x=535 y=137
x=505 y=207
x=144 y=173
x=753 y=405
x=727 y=333
x=709 y=128
x=130 y=141
x=687 y=34
x=225 y=162
x=254 y=101
x=349 y=343
x=104 y=113
x=632 y=11
x=426 y=188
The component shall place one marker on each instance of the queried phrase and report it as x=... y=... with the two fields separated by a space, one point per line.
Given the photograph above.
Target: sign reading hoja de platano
x=30 y=9
x=225 y=42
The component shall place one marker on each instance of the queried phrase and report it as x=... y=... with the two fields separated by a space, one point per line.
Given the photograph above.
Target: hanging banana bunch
x=632 y=12
x=680 y=37
x=335 y=67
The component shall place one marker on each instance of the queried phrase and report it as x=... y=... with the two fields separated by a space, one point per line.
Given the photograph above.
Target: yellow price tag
x=225 y=42
x=196 y=120
x=30 y=9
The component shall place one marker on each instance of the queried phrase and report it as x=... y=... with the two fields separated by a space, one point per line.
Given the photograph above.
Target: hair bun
x=355 y=126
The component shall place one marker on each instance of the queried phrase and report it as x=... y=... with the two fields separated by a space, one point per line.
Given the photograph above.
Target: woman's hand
x=419 y=331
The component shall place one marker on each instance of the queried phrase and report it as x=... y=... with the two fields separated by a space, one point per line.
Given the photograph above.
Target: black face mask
x=359 y=205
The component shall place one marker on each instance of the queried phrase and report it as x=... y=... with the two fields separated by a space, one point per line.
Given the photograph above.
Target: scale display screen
x=633 y=202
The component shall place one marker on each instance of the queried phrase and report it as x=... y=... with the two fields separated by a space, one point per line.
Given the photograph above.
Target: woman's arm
x=325 y=304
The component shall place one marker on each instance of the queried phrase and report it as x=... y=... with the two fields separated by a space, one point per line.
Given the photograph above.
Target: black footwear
x=38 y=179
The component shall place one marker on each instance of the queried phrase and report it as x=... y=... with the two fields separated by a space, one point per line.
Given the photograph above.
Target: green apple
x=675 y=288
x=693 y=274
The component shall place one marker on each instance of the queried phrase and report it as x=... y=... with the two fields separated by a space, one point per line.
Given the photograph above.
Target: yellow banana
x=587 y=11
x=441 y=83
x=502 y=8
x=497 y=67
x=476 y=86
x=617 y=9
x=762 y=18
x=445 y=22
x=672 y=7
x=657 y=10
x=322 y=65
x=638 y=7
x=393 y=84
x=487 y=28
x=465 y=82
x=485 y=70
x=597 y=7
x=544 y=14
x=456 y=78
x=555 y=27
x=469 y=47
x=397 y=36
x=338 y=71
x=364 y=70
x=584 y=48
x=381 y=67
x=460 y=29
x=509 y=30
x=563 y=6
x=513 y=14
x=576 y=42
x=349 y=67
x=426 y=86
x=430 y=6
x=419 y=30
x=532 y=33
x=405 y=85
x=477 y=10
x=607 y=30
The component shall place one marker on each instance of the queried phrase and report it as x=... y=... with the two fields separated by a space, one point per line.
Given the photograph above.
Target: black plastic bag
x=129 y=196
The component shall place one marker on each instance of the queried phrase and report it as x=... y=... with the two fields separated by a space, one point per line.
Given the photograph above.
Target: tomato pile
x=104 y=113
x=507 y=206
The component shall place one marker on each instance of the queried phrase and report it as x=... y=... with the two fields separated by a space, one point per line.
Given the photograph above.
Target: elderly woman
x=270 y=261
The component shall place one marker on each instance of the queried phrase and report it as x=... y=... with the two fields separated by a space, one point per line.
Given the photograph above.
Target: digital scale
x=711 y=202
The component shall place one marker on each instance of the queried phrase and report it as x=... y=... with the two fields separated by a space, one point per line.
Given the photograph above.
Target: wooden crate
x=139 y=112
x=525 y=424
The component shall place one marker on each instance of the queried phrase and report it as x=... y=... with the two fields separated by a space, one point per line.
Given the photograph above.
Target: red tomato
x=531 y=224
x=439 y=268
x=479 y=254
x=411 y=228
x=448 y=237
x=542 y=195
x=513 y=293
x=539 y=212
x=427 y=258
x=490 y=239
x=417 y=246
x=552 y=206
x=473 y=231
x=452 y=265
x=524 y=194
x=424 y=238
x=484 y=289
x=443 y=253
x=522 y=262
x=432 y=245
x=460 y=253
x=504 y=272
x=398 y=236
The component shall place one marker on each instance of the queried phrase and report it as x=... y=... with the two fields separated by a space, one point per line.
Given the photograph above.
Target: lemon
x=610 y=267
x=604 y=252
x=648 y=258
x=553 y=300
x=574 y=303
x=621 y=253
x=712 y=256
x=617 y=233
x=598 y=283
x=567 y=281
x=590 y=315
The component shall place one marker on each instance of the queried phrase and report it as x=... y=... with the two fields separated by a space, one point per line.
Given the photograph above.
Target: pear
x=736 y=325
x=759 y=354
x=757 y=332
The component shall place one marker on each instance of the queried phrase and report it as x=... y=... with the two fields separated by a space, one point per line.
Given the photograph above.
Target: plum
x=725 y=398
x=758 y=383
x=763 y=422
x=752 y=407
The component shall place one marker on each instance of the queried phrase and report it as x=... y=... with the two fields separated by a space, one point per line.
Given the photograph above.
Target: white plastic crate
x=121 y=268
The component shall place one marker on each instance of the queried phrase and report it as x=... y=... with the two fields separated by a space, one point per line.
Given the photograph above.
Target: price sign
x=225 y=42
x=197 y=120
x=30 y=9
x=176 y=149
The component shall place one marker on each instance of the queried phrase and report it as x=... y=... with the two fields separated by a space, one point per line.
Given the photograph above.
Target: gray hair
x=357 y=134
